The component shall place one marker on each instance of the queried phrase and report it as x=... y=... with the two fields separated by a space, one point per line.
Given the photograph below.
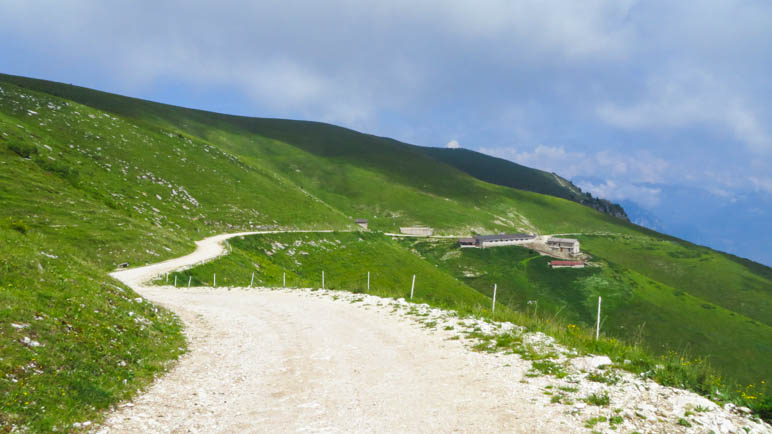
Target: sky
x=636 y=101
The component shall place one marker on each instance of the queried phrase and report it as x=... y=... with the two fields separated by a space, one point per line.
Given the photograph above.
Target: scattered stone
x=30 y=342
x=590 y=363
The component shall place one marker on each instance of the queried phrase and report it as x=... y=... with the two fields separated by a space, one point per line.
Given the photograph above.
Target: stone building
x=565 y=246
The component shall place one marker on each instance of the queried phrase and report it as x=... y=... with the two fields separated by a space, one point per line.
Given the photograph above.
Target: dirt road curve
x=280 y=361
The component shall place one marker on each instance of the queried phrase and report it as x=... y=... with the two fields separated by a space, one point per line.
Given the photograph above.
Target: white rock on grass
x=30 y=342
x=590 y=363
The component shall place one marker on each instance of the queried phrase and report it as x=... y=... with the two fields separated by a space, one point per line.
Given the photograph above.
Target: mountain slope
x=90 y=180
x=509 y=174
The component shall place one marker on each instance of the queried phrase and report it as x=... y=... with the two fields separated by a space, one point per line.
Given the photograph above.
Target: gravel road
x=277 y=361
x=267 y=360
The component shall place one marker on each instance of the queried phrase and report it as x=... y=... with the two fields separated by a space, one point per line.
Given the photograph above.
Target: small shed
x=566 y=264
x=362 y=223
x=467 y=242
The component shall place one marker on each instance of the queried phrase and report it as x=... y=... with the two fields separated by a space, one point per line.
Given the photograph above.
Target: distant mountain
x=738 y=224
x=504 y=172
x=642 y=217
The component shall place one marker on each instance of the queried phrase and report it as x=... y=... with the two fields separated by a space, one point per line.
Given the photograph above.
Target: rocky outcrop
x=605 y=206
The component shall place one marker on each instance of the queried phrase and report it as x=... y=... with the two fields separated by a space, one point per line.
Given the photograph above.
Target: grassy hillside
x=90 y=180
x=345 y=258
x=503 y=172
x=635 y=308
x=82 y=191
x=357 y=174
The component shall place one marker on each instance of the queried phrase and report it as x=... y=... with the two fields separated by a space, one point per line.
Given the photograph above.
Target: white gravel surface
x=264 y=360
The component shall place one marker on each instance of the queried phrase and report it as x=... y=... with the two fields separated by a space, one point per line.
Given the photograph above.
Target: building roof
x=467 y=240
x=566 y=263
x=361 y=220
x=562 y=240
x=503 y=237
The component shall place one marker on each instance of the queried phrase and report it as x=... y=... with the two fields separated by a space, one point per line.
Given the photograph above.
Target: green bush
x=18 y=225
x=24 y=150
x=59 y=168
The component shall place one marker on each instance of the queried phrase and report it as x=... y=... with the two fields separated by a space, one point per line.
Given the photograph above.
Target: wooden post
x=252 y=280
x=368 y=280
x=214 y=280
x=167 y=277
x=412 y=287
x=597 y=324
x=284 y=279
x=189 y=279
x=175 y=280
x=322 y=279
x=493 y=309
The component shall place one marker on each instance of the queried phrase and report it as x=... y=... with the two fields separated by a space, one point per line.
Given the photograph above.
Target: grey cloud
x=640 y=166
x=683 y=97
x=318 y=59
x=648 y=197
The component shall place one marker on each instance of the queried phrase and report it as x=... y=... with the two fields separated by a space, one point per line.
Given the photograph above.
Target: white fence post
x=252 y=280
x=412 y=287
x=284 y=279
x=322 y=279
x=214 y=280
x=597 y=324
x=167 y=277
x=189 y=279
x=368 y=280
x=493 y=309
x=175 y=280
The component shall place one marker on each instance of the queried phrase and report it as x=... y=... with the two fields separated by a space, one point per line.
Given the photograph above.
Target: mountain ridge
x=481 y=166
x=507 y=173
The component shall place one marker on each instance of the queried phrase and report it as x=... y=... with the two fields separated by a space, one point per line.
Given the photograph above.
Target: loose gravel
x=278 y=360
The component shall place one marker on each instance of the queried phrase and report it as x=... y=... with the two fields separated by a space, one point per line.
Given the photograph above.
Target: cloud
x=639 y=166
x=684 y=97
x=648 y=197
x=762 y=184
x=453 y=144
x=622 y=176
x=313 y=61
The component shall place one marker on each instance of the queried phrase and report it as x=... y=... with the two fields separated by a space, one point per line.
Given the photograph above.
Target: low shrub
x=59 y=168
x=24 y=150
x=18 y=225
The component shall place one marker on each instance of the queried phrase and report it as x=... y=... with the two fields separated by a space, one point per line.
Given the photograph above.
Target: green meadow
x=90 y=180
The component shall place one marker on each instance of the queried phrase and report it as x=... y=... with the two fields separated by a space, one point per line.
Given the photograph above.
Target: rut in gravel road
x=269 y=361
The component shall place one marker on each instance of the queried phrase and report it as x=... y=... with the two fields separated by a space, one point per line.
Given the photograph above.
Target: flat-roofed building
x=484 y=241
x=565 y=246
x=362 y=223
